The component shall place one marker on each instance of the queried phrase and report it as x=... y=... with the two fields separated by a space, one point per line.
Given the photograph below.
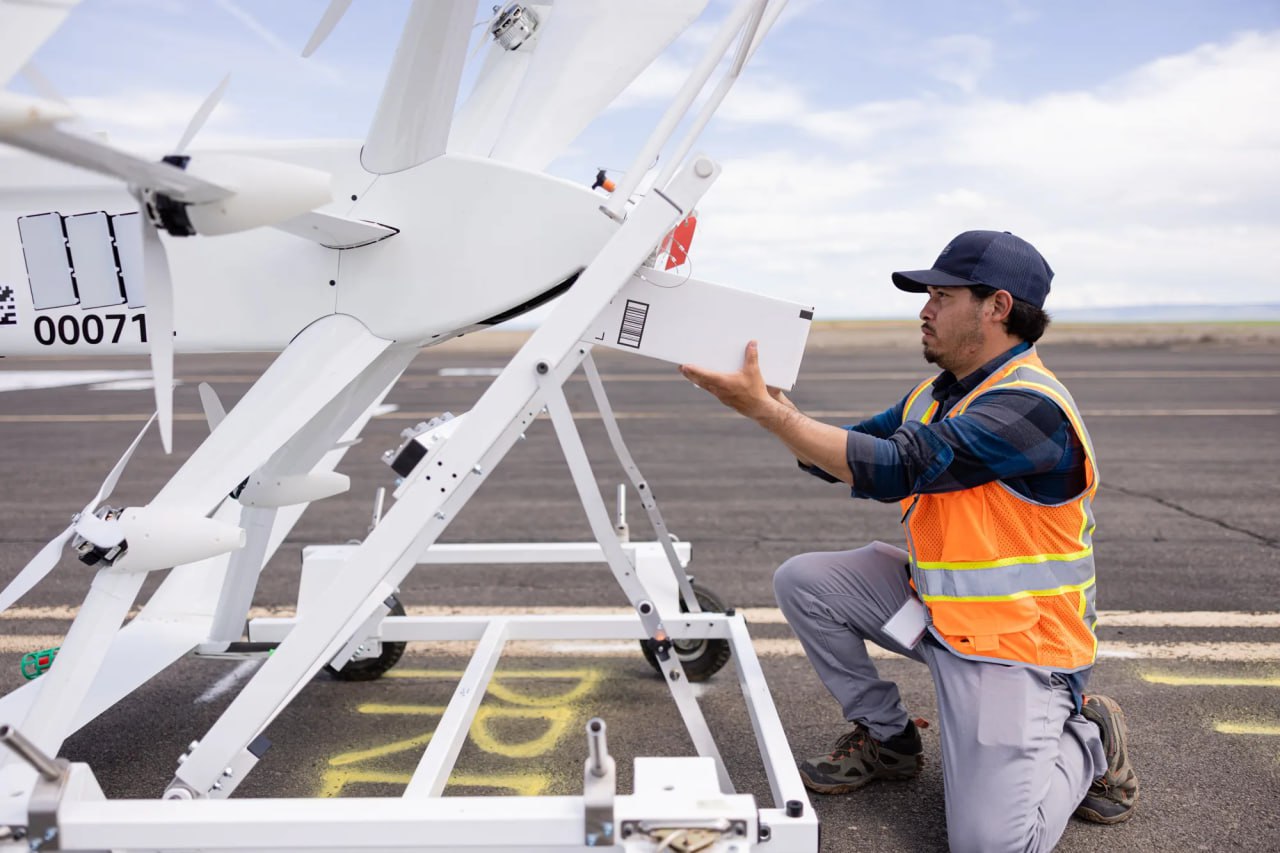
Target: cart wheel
x=367 y=669
x=703 y=658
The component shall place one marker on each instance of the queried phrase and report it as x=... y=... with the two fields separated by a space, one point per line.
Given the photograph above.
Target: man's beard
x=971 y=337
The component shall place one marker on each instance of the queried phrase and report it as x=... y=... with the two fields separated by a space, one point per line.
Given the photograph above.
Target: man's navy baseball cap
x=995 y=258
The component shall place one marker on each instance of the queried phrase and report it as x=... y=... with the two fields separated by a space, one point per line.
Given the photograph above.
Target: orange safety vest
x=1005 y=578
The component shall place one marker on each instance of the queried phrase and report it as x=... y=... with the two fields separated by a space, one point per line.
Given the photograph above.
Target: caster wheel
x=703 y=658
x=368 y=669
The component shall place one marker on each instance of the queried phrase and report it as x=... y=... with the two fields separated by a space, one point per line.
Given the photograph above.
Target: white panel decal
x=127 y=228
x=44 y=246
x=93 y=257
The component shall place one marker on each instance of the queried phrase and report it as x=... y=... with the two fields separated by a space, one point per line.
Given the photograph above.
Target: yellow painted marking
x=1209 y=681
x=333 y=781
x=521 y=784
x=393 y=748
x=587 y=679
x=557 y=711
x=1245 y=729
x=482 y=734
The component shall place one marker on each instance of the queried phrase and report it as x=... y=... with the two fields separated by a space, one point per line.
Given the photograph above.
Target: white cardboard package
x=687 y=321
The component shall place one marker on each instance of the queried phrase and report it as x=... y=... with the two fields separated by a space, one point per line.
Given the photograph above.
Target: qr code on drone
x=8 y=306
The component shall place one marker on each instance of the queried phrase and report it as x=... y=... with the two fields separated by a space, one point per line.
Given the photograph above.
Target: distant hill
x=1266 y=312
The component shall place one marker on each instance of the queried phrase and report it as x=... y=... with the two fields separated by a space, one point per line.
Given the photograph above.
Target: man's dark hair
x=1025 y=320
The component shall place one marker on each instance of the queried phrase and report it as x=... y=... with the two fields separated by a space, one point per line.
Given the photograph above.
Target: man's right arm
x=882 y=425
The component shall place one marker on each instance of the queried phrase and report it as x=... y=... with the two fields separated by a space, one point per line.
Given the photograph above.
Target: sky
x=1136 y=143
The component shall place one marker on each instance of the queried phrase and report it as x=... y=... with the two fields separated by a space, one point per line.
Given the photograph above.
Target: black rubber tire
x=701 y=659
x=369 y=669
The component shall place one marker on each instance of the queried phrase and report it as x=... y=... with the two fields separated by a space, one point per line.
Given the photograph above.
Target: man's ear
x=1000 y=304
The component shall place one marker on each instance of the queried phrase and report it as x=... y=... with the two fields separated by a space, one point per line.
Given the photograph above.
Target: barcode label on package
x=633 y=319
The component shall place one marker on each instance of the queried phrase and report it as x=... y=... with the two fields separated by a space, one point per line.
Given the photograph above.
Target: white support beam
x=446 y=742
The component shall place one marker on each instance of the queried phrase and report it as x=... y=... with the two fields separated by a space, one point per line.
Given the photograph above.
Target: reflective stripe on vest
x=1007 y=578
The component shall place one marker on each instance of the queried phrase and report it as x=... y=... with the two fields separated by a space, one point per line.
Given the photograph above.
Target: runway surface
x=1188 y=553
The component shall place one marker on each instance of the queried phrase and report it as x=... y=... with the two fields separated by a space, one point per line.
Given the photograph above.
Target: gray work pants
x=1016 y=758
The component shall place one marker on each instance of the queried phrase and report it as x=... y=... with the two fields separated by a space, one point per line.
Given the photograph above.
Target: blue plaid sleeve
x=1019 y=437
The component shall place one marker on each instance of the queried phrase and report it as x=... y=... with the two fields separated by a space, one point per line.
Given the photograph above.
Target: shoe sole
x=849 y=787
x=1121 y=732
x=1093 y=817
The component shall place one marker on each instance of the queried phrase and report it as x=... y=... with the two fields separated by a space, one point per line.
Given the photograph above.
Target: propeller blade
x=35 y=570
x=58 y=144
x=202 y=115
x=109 y=484
x=214 y=411
x=486 y=40
x=333 y=14
x=159 y=286
x=43 y=85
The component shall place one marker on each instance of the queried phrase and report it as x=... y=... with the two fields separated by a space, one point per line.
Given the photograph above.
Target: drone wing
x=24 y=27
x=580 y=65
x=411 y=125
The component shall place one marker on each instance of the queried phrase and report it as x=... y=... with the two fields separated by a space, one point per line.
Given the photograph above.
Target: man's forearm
x=812 y=442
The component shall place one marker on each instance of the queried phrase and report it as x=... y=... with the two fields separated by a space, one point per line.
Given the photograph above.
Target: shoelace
x=850 y=742
x=853 y=741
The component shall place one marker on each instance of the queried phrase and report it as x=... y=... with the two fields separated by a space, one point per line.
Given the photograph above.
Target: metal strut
x=598 y=517
x=642 y=487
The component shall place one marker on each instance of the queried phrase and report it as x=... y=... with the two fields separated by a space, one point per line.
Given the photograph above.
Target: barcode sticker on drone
x=8 y=306
x=633 y=319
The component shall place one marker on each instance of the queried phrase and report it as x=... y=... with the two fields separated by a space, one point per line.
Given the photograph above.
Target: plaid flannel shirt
x=1018 y=437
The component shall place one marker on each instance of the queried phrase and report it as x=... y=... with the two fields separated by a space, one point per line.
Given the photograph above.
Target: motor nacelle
x=263 y=192
x=142 y=539
x=292 y=489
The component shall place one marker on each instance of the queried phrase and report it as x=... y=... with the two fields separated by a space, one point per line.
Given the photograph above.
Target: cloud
x=1155 y=187
x=961 y=60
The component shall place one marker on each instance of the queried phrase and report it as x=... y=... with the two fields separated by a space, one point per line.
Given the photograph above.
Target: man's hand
x=812 y=442
x=743 y=391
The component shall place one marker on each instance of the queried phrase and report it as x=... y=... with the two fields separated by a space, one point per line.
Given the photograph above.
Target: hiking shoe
x=1113 y=795
x=858 y=758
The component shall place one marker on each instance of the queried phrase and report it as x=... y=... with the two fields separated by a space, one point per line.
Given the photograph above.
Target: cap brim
x=919 y=281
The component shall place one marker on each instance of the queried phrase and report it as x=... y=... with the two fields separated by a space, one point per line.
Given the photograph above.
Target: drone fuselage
x=477 y=240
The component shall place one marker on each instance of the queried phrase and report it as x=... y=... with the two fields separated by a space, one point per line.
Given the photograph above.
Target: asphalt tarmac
x=1188 y=552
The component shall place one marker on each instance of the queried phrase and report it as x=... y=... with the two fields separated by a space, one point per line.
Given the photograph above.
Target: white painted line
x=701 y=414
x=469 y=371
x=778 y=647
x=20 y=644
x=126 y=385
x=33 y=380
x=1222 y=652
x=1187 y=619
x=754 y=615
x=764 y=646
x=228 y=681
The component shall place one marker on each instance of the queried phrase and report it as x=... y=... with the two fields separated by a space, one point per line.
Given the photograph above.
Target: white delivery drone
x=348 y=261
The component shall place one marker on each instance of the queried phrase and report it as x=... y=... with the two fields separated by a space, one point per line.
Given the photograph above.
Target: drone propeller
x=159 y=290
x=159 y=282
x=49 y=555
x=332 y=14
x=202 y=115
x=214 y=412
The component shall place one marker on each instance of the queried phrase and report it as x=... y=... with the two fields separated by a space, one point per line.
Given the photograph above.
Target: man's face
x=951 y=330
